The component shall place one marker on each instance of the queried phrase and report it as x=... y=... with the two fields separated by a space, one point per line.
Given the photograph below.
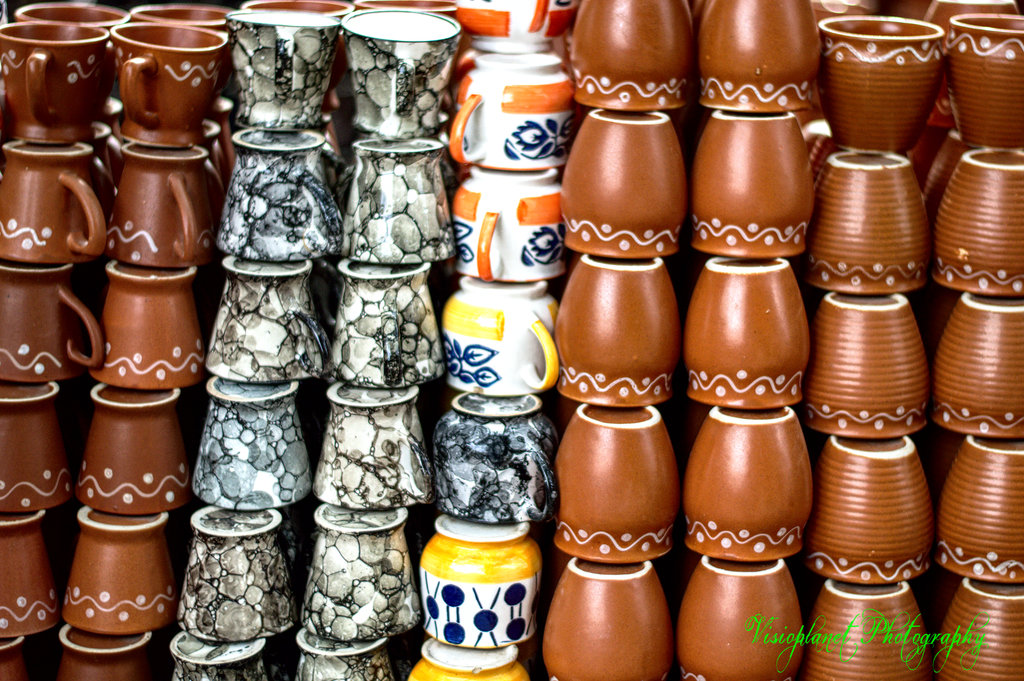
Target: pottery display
x=12 y=664
x=28 y=599
x=513 y=27
x=989 y=615
x=196 y=660
x=442 y=662
x=321 y=659
x=92 y=657
x=34 y=471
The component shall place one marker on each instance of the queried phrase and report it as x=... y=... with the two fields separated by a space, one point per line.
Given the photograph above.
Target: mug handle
x=35 y=84
x=551 y=497
x=185 y=248
x=323 y=344
x=483 y=246
x=540 y=15
x=419 y=450
x=393 y=352
x=405 y=83
x=95 y=360
x=322 y=195
x=459 y=124
x=133 y=90
x=547 y=344
x=93 y=241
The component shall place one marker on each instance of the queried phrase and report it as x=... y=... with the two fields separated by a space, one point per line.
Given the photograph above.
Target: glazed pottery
x=121 y=579
x=632 y=56
x=608 y=623
x=493 y=460
x=746 y=343
x=237 y=586
x=52 y=76
x=187 y=14
x=508 y=225
x=115 y=477
x=360 y=584
x=33 y=465
x=162 y=215
x=387 y=334
x=397 y=210
x=497 y=338
x=617 y=158
x=279 y=206
x=724 y=619
x=442 y=662
x=400 y=61
x=322 y=659
x=752 y=191
x=12 y=664
x=41 y=336
x=252 y=454
x=49 y=211
x=82 y=13
x=28 y=599
x=619 y=485
x=980 y=512
x=618 y=333
x=151 y=327
x=758 y=456
x=979 y=228
x=515 y=113
x=990 y=619
x=92 y=657
x=853 y=535
x=879 y=79
x=266 y=328
x=978 y=368
x=168 y=76
x=514 y=27
x=373 y=456
x=480 y=583
x=868 y=373
x=757 y=56
x=870 y=234
x=196 y=660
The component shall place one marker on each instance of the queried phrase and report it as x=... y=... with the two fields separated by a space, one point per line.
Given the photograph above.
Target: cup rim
x=997 y=305
x=969 y=584
x=907 y=449
x=401 y=513
x=640 y=265
x=316 y=139
x=139 y=150
x=343 y=7
x=117 y=15
x=640 y=118
x=573 y=566
x=216 y=14
x=346 y=648
x=530 y=63
x=100 y=34
x=117 y=32
x=986 y=447
x=379 y=145
x=147 y=273
x=532 y=405
x=94 y=393
x=9 y=643
x=777 y=565
x=753 y=116
x=838 y=160
x=288 y=388
x=346 y=267
x=16 y=519
x=533 y=289
x=246 y=649
x=282 y=17
x=480 y=533
x=275 y=521
x=963 y=22
x=849 y=301
x=52 y=389
x=469 y=659
x=934 y=31
x=972 y=155
x=654 y=418
x=141 y=641
x=151 y=521
x=719 y=415
x=347 y=20
x=448 y=5
x=70 y=150
x=398 y=396
x=737 y=266
x=832 y=586
x=515 y=176
x=270 y=269
x=6 y=266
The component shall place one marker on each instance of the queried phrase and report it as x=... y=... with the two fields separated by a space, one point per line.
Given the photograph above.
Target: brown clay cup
x=93 y=657
x=168 y=75
x=121 y=580
x=979 y=231
x=746 y=341
x=752 y=191
x=41 y=336
x=878 y=81
x=617 y=333
x=941 y=170
x=12 y=663
x=868 y=373
x=978 y=368
x=618 y=158
x=113 y=477
x=619 y=485
x=446 y=7
x=757 y=456
x=853 y=534
x=49 y=211
x=28 y=597
x=870 y=233
x=608 y=623
x=33 y=465
x=82 y=13
x=152 y=329
x=990 y=619
x=184 y=14
x=723 y=621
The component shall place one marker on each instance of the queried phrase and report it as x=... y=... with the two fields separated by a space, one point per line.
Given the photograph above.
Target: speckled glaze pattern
x=361 y=583
x=321 y=659
x=237 y=586
x=397 y=209
x=196 y=660
x=493 y=457
x=373 y=455
x=252 y=454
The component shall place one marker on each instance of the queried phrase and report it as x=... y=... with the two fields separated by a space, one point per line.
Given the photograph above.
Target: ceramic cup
x=34 y=469
x=441 y=662
x=990 y=618
x=188 y=14
x=93 y=657
x=12 y=663
x=941 y=170
x=322 y=659
x=480 y=583
x=619 y=484
x=81 y=13
x=252 y=454
x=515 y=113
x=497 y=338
x=512 y=27
x=446 y=7
x=28 y=600
x=196 y=660
x=400 y=61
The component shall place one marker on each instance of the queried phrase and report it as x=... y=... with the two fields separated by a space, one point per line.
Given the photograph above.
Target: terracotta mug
x=28 y=599
x=941 y=170
x=33 y=465
x=152 y=329
x=197 y=660
x=92 y=657
x=12 y=663
x=41 y=334
x=49 y=211
x=442 y=662
x=322 y=659
x=512 y=27
x=990 y=618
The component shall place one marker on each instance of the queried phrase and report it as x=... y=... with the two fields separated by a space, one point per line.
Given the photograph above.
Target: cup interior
x=72 y=13
x=174 y=37
x=56 y=34
x=1009 y=24
x=332 y=8
x=284 y=18
x=880 y=28
x=401 y=25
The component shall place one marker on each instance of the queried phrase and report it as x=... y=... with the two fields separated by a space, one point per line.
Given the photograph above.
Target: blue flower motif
x=469 y=364
x=545 y=246
x=463 y=232
x=536 y=141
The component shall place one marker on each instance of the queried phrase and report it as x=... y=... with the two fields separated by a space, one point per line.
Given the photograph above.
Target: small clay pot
x=93 y=657
x=989 y=615
x=33 y=464
x=28 y=597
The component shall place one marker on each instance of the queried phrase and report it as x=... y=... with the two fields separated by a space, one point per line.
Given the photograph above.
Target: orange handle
x=35 y=84
x=133 y=90
x=186 y=247
x=483 y=246
x=540 y=15
x=459 y=128
x=92 y=326
x=92 y=242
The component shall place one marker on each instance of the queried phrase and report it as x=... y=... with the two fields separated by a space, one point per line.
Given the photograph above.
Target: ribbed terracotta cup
x=978 y=368
x=752 y=191
x=618 y=333
x=12 y=664
x=757 y=456
x=28 y=597
x=990 y=619
x=870 y=233
x=979 y=231
x=608 y=623
x=853 y=534
x=746 y=341
x=93 y=657
x=879 y=79
x=868 y=373
x=724 y=621
x=619 y=485
x=941 y=170
x=981 y=512
x=33 y=464
x=866 y=654
x=617 y=158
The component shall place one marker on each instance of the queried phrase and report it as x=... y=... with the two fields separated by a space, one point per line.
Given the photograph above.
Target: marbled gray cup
x=321 y=659
x=196 y=660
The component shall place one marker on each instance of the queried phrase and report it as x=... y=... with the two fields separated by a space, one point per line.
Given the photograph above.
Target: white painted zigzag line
x=706 y=384
x=874 y=275
x=801 y=94
x=8 y=60
x=944 y=268
x=570 y=375
x=917 y=563
x=71 y=600
x=668 y=88
x=77 y=66
x=694 y=526
x=960 y=38
x=209 y=75
x=933 y=53
x=96 y=483
x=192 y=356
x=64 y=472
x=940 y=406
x=35 y=607
x=671 y=233
x=658 y=537
x=842 y=413
x=1001 y=568
x=128 y=238
x=749 y=237
x=12 y=231
x=700 y=677
x=4 y=351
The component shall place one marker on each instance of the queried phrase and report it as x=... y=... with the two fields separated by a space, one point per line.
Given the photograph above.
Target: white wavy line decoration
x=913 y=565
x=979 y=562
x=649 y=237
x=12 y=231
x=114 y=230
x=32 y=362
x=828 y=414
x=582 y=537
x=753 y=233
x=967 y=273
x=878 y=272
x=983 y=47
x=135 y=489
x=192 y=357
x=700 y=677
x=695 y=526
x=139 y=603
x=657 y=384
x=930 y=51
x=986 y=422
x=673 y=88
x=64 y=473
x=802 y=92
x=7 y=59
x=760 y=384
x=189 y=70
x=33 y=609
x=77 y=66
